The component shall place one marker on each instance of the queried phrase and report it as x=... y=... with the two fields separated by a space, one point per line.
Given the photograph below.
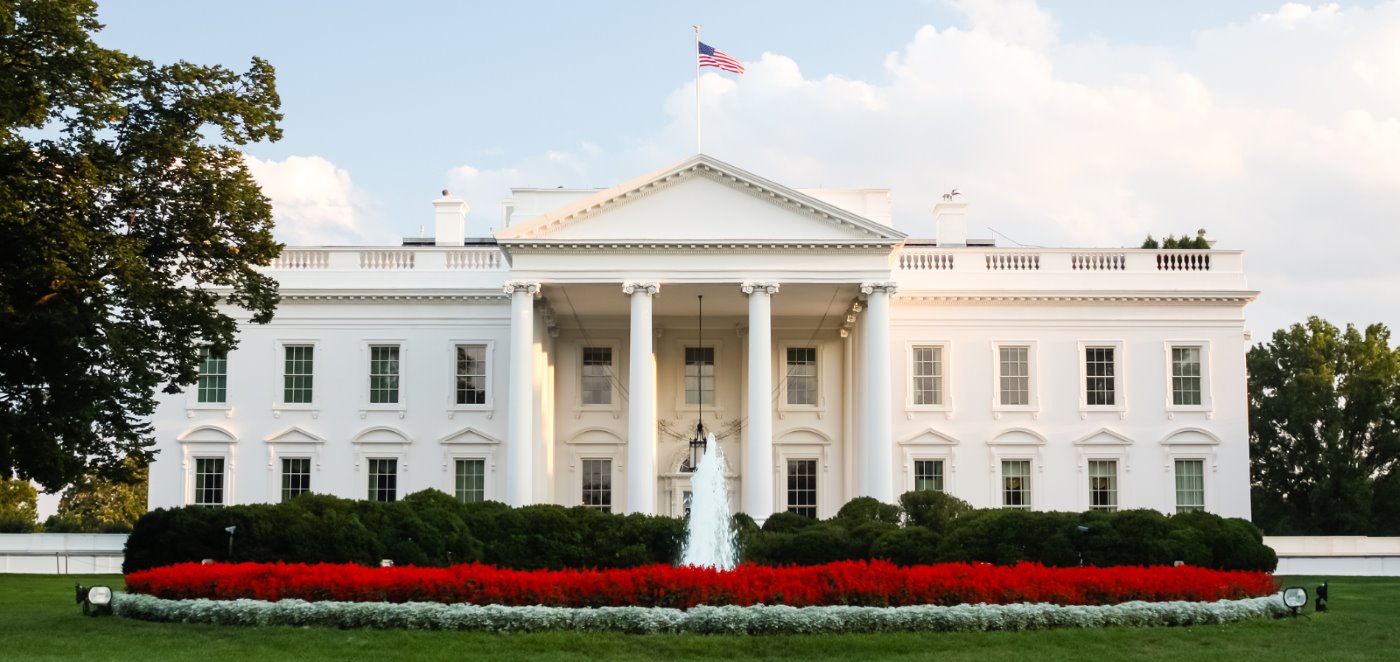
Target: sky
x=1275 y=127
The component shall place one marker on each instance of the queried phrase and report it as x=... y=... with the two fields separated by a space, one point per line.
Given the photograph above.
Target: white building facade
x=564 y=360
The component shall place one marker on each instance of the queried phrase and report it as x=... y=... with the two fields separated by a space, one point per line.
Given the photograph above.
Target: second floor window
x=1015 y=378
x=802 y=375
x=471 y=375
x=700 y=375
x=927 y=368
x=383 y=374
x=1186 y=375
x=213 y=376
x=297 y=373
x=1099 y=381
x=597 y=375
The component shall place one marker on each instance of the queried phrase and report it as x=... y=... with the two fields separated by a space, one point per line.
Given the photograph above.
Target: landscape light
x=1321 y=603
x=1295 y=597
x=96 y=601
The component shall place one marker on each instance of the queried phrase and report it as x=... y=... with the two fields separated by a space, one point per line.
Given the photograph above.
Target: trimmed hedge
x=431 y=528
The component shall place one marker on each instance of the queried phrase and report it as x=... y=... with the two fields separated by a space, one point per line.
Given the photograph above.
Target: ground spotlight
x=1321 y=603
x=1295 y=598
x=96 y=601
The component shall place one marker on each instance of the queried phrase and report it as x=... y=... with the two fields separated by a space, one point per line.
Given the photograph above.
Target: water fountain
x=709 y=539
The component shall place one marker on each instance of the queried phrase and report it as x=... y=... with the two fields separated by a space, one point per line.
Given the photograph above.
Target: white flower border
x=759 y=619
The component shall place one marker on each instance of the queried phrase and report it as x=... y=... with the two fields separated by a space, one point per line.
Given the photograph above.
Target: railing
x=429 y=258
x=1017 y=261
x=1098 y=262
x=924 y=260
x=973 y=259
x=1185 y=261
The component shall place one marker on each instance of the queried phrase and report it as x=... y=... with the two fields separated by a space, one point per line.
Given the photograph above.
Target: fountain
x=709 y=538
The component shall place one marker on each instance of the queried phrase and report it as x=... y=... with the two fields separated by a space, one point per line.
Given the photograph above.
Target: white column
x=520 y=427
x=641 y=403
x=758 y=455
x=879 y=446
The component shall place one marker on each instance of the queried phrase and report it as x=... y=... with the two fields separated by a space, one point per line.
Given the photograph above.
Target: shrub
x=867 y=509
x=932 y=510
x=913 y=545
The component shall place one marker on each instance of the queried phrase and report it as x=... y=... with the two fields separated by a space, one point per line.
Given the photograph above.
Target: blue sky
x=1067 y=123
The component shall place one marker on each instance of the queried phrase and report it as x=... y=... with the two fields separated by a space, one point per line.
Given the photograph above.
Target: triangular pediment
x=929 y=437
x=468 y=435
x=294 y=435
x=700 y=200
x=1103 y=437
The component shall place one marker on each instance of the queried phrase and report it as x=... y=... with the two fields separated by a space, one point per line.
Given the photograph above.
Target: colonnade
x=874 y=447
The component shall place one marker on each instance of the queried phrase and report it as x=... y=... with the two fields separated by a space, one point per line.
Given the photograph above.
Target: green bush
x=932 y=510
x=914 y=545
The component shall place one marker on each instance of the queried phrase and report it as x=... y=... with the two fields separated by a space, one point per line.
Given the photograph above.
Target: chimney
x=950 y=222
x=451 y=220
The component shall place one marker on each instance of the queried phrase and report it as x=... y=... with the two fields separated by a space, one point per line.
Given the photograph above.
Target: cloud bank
x=314 y=203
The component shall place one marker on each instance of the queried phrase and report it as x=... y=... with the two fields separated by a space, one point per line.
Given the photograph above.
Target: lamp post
x=230 y=530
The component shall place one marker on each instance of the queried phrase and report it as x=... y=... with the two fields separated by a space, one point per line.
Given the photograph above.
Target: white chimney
x=451 y=220
x=950 y=220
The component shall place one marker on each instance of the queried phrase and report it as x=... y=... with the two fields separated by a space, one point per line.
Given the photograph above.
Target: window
x=802 y=375
x=296 y=477
x=927 y=371
x=802 y=487
x=597 y=484
x=1190 y=486
x=383 y=374
x=297 y=371
x=383 y=479
x=700 y=375
x=213 y=376
x=1103 y=485
x=596 y=384
x=928 y=475
x=209 y=481
x=471 y=374
x=1186 y=376
x=1100 y=380
x=1016 y=484
x=1015 y=377
x=471 y=480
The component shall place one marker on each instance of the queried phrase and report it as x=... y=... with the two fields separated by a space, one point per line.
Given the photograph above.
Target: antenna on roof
x=948 y=197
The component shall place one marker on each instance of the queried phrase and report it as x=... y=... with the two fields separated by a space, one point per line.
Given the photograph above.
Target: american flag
x=712 y=57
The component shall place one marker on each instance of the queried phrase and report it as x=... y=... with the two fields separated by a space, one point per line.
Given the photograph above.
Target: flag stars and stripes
x=712 y=57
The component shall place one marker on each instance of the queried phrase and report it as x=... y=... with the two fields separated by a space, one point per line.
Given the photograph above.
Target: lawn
x=39 y=621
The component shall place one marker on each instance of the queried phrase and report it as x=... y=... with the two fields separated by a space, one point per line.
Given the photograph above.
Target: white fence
x=1359 y=556
x=62 y=553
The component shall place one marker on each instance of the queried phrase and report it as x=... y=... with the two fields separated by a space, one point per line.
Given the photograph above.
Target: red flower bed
x=875 y=583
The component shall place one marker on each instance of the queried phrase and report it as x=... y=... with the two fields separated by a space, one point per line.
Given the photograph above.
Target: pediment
x=700 y=200
x=802 y=437
x=294 y=435
x=468 y=435
x=1103 y=437
x=1191 y=437
x=1018 y=437
x=930 y=437
x=381 y=434
x=207 y=434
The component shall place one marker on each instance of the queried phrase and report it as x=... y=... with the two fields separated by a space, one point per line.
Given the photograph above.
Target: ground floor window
x=1016 y=484
x=1190 y=486
x=296 y=477
x=383 y=479
x=471 y=480
x=802 y=487
x=1103 y=485
x=209 y=481
x=597 y=484
x=928 y=475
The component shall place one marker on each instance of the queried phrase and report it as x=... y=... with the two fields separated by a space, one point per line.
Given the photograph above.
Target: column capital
x=749 y=287
x=530 y=287
x=888 y=287
x=645 y=287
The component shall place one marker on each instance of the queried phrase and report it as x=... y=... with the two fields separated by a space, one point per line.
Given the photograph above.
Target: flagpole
x=695 y=53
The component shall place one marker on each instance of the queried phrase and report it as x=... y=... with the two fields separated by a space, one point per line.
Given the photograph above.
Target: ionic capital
x=645 y=287
x=529 y=287
x=888 y=287
x=751 y=286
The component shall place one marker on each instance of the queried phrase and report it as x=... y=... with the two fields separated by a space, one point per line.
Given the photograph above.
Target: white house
x=562 y=361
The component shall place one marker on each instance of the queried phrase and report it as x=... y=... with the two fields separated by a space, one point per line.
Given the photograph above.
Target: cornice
x=543 y=246
x=389 y=295
x=1232 y=298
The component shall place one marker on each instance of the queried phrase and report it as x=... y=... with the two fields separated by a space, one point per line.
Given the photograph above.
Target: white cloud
x=315 y=203
x=1281 y=136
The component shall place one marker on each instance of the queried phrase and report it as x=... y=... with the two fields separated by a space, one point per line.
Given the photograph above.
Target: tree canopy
x=1324 y=416
x=129 y=230
x=18 y=506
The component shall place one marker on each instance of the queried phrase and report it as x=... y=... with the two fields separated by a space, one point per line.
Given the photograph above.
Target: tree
x=19 y=506
x=129 y=225
x=1324 y=414
x=97 y=504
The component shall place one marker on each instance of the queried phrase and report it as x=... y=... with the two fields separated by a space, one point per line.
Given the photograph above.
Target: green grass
x=38 y=621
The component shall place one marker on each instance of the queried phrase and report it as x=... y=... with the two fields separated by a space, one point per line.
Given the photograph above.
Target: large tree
x=127 y=219
x=1324 y=415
